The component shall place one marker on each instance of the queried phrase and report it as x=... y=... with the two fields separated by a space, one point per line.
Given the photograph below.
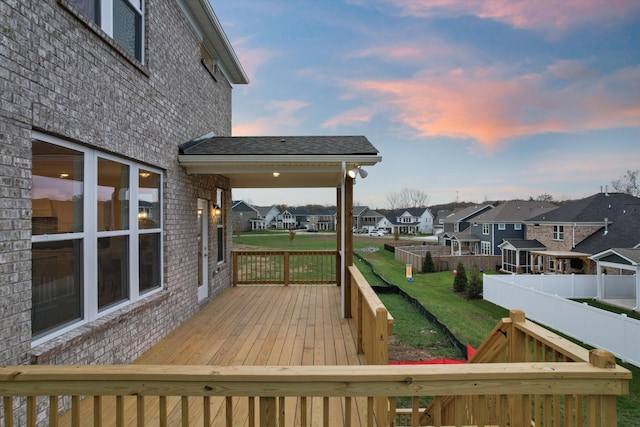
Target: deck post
x=520 y=405
x=347 y=251
x=234 y=270
x=601 y=410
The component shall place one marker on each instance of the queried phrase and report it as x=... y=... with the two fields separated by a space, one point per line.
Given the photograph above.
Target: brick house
x=100 y=226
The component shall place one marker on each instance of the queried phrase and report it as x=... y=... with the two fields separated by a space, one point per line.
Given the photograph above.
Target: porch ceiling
x=300 y=161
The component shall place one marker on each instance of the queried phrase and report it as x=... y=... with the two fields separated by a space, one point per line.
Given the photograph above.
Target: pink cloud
x=252 y=59
x=546 y=16
x=490 y=107
x=279 y=117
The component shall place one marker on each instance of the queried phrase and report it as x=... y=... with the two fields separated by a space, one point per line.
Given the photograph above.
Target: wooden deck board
x=252 y=325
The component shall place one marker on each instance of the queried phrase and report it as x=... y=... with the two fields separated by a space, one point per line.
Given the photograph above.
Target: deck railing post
x=519 y=405
x=234 y=272
x=601 y=410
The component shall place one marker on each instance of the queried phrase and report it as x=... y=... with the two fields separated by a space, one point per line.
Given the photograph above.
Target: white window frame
x=558 y=232
x=517 y=226
x=485 y=248
x=486 y=229
x=502 y=226
x=90 y=235
x=456 y=227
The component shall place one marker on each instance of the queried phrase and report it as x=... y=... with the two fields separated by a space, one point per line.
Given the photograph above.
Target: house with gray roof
x=505 y=221
x=265 y=219
x=575 y=231
x=241 y=215
x=456 y=230
x=411 y=221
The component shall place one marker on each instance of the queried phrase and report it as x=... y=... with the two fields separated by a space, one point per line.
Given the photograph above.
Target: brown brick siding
x=60 y=75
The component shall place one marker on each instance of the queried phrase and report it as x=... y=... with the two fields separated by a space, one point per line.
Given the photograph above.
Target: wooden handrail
x=479 y=383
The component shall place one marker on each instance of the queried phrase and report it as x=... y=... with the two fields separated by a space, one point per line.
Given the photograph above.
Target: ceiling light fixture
x=276 y=174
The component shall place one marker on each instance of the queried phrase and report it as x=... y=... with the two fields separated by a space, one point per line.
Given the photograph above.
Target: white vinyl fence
x=544 y=300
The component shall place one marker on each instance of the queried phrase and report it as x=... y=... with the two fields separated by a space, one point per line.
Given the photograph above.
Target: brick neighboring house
x=573 y=232
x=505 y=221
x=242 y=213
x=99 y=222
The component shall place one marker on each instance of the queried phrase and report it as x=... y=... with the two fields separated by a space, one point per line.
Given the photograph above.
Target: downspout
x=342 y=239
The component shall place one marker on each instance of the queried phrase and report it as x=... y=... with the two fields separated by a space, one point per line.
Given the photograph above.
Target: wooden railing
x=516 y=341
x=284 y=267
x=476 y=394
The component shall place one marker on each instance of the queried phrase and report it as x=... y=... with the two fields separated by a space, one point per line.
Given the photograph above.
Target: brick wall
x=544 y=234
x=61 y=75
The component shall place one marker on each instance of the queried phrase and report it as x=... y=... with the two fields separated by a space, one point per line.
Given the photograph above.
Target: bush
x=460 y=281
x=474 y=287
x=428 y=266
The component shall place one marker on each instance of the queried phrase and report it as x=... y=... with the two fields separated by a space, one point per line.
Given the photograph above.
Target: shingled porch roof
x=300 y=161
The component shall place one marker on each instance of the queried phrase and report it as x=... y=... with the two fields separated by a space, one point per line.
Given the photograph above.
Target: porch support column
x=637 y=289
x=347 y=231
x=599 y=289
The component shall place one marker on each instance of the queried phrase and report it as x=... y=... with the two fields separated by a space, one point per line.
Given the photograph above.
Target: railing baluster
x=229 y=410
x=206 y=411
x=281 y=409
x=31 y=411
x=53 y=411
x=369 y=411
x=75 y=411
x=97 y=411
x=252 y=411
x=162 y=411
x=325 y=411
x=303 y=410
x=120 y=411
x=347 y=411
x=415 y=411
x=140 y=410
x=184 y=406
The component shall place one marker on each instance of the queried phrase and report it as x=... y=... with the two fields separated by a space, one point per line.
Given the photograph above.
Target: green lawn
x=469 y=321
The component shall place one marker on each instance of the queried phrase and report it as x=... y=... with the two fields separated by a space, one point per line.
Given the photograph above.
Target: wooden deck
x=262 y=325
x=253 y=325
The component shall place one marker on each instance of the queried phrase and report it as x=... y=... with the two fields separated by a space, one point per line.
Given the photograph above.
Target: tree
x=427 y=265
x=544 y=197
x=474 y=287
x=407 y=198
x=460 y=281
x=628 y=183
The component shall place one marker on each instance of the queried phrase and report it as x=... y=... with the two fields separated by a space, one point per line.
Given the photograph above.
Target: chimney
x=606 y=226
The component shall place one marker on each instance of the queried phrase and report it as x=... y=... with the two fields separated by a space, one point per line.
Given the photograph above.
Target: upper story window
x=558 y=232
x=485 y=229
x=122 y=20
x=517 y=226
x=502 y=226
x=456 y=227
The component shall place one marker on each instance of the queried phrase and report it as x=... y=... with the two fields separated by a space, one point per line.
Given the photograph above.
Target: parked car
x=377 y=233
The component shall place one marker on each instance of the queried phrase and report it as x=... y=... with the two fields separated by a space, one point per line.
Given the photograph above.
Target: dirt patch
x=405 y=353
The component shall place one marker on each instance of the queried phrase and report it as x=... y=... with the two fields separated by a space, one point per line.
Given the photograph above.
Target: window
x=122 y=20
x=456 y=227
x=502 y=226
x=558 y=232
x=92 y=250
x=517 y=226
x=485 y=248
x=485 y=229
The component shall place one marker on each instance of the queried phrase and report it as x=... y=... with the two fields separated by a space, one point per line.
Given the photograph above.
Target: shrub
x=460 y=281
x=474 y=287
x=428 y=266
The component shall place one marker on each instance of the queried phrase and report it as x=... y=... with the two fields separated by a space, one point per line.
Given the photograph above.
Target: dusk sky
x=479 y=100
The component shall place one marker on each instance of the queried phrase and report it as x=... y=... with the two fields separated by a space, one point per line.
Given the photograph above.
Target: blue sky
x=479 y=100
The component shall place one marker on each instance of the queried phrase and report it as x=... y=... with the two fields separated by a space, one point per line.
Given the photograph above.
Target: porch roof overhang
x=299 y=161
x=561 y=254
